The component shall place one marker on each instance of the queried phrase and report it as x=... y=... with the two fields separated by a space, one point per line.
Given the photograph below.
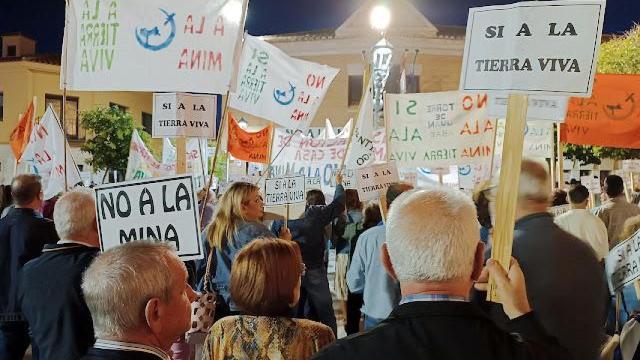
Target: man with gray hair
x=140 y=301
x=61 y=326
x=433 y=248
x=557 y=266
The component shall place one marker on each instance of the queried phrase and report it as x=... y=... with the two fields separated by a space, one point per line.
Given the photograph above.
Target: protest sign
x=248 y=146
x=591 y=182
x=284 y=190
x=184 y=115
x=348 y=179
x=610 y=117
x=373 y=181
x=541 y=108
x=522 y=47
x=364 y=149
x=409 y=176
x=277 y=87
x=438 y=129
x=150 y=45
x=163 y=209
x=44 y=156
x=622 y=264
x=142 y=164
x=631 y=165
x=195 y=148
x=313 y=183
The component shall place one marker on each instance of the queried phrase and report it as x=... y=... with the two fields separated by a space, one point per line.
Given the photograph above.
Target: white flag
x=44 y=156
x=277 y=87
x=362 y=149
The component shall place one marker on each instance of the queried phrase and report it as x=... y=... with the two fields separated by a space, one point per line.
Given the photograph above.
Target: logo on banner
x=143 y=35
x=620 y=110
x=464 y=170
x=281 y=95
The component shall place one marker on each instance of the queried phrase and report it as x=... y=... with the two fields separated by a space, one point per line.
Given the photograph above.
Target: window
x=71 y=117
x=11 y=50
x=147 y=122
x=120 y=107
x=1 y=106
x=355 y=89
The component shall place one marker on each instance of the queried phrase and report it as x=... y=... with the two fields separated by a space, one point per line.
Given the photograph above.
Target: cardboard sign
x=622 y=264
x=184 y=115
x=591 y=182
x=611 y=117
x=277 y=87
x=374 y=180
x=439 y=129
x=284 y=190
x=313 y=183
x=248 y=146
x=631 y=166
x=150 y=45
x=541 y=108
x=523 y=47
x=163 y=209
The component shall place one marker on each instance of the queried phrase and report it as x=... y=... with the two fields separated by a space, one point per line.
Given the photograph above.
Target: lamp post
x=381 y=55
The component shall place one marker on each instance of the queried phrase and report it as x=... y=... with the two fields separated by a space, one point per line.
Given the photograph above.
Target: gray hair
x=75 y=214
x=534 y=182
x=432 y=235
x=120 y=281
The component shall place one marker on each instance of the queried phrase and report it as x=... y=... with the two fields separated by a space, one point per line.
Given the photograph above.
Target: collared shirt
x=62 y=242
x=586 y=227
x=431 y=297
x=614 y=213
x=125 y=346
x=367 y=276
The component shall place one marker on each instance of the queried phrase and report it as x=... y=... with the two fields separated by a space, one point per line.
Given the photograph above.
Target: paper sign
x=150 y=45
x=374 y=180
x=348 y=179
x=313 y=183
x=541 y=108
x=548 y=48
x=631 y=166
x=622 y=264
x=285 y=190
x=162 y=209
x=248 y=146
x=184 y=115
x=591 y=182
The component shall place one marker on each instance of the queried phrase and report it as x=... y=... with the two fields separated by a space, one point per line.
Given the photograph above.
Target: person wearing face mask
x=265 y=285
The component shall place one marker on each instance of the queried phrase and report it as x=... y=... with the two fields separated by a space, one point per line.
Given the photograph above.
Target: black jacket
x=23 y=234
x=102 y=354
x=61 y=326
x=308 y=231
x=442 y=330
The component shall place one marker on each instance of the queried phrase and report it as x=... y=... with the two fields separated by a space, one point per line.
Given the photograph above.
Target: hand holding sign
x=510 y=287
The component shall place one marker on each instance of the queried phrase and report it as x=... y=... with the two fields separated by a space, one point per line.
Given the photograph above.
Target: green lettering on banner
x=98 y=36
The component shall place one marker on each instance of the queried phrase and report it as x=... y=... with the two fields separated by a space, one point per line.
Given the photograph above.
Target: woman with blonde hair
x=265 y=285
x=235 y=224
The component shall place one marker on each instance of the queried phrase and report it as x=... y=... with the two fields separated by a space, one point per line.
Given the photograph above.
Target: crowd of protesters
x=411 y=275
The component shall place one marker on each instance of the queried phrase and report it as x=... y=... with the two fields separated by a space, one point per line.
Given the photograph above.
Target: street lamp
x=381 y=55
x=380 y=18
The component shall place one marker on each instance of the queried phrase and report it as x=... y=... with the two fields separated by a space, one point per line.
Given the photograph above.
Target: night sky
x=44 y=19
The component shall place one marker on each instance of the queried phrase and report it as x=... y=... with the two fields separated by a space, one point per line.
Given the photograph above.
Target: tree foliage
x=617 y=56
x=112 y=129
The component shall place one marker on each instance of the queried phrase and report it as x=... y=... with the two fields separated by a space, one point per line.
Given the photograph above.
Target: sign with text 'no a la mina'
x=274 y=86
x=184 y=115
x=373 y=181
x=160 y=209
x=438 y=129
x=547 y=47
x=284 y=190
x=622 y=264
x=150 y=45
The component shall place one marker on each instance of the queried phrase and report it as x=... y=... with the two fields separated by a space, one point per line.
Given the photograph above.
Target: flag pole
x=63 y=111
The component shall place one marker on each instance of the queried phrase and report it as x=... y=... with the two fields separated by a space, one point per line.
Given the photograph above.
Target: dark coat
x=61 y=325
x=102 y=354
x=442 y=330
x=23 y=234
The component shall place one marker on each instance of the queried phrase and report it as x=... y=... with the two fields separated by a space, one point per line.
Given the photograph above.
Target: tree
x=617 y=56
x=112 y=129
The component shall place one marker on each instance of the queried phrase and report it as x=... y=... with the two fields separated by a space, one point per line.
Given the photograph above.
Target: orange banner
x=22 y=132
x=610 y=117
x=248 y=146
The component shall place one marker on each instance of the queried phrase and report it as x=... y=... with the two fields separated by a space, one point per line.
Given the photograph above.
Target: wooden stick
x=493 y=154
x=552 y=168
x=560 y=160
x=507 y=195
x=181 y=155
x=286 y=218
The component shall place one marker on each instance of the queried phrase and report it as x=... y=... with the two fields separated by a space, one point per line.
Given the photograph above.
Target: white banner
x=279 y=88
x=438 y=129
x=549 y=108
x=548 y=48
x=151 y=45
x=622 y=263
x=142 y=164
x=195 y=147
x=184 y=115
x=163 y=209
x=374 y=180
x=44 y=156
x=366 y=147
x=285 y=190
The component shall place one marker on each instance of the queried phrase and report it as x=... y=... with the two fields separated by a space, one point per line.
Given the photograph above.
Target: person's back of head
x=26 y=191
x=230 y=212
x=138 y=292
x=265 y=277
x=533 y=187
x=559 y=197
x=352 y=200
x=613 y=186
x=394 y=190
x=75 y=217
x=432 y=235
x=371 y=215
x=579 y=195
x=315 y=197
